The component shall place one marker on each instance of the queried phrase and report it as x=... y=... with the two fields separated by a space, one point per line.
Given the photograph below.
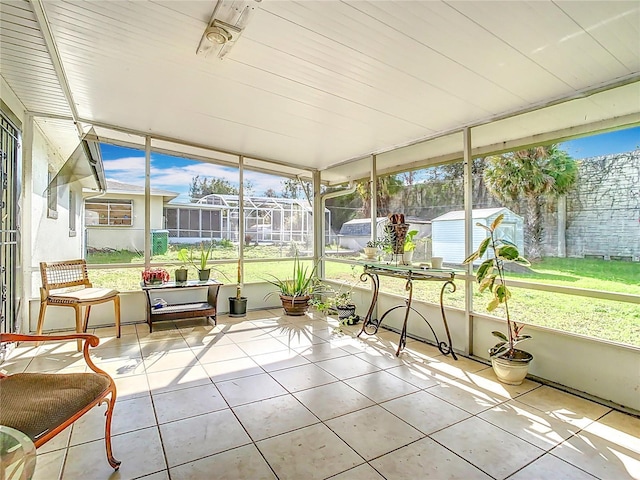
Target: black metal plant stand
x=370 y=325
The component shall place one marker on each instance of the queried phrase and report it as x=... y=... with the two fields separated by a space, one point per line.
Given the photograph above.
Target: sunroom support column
x=318 y=224
x=147 y=201
x=25 y=221
x=241 y=217
x=373 y=199
x=468 y=239
x=373 y=208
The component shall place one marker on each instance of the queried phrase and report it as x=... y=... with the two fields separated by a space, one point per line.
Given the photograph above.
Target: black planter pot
x=204 y=274
x=237 y=306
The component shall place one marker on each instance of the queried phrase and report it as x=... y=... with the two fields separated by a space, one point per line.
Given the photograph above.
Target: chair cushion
x=84 y=295
x=36 y=403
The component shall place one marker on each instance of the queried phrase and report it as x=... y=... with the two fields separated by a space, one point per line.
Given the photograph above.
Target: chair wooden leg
x=43 y=308
x=78 y=309
x=85 y=322
x=116 y=307
x=107 y=430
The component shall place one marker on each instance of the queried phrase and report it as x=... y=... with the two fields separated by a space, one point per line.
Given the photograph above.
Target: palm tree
x=535 y=175
x=387 y=187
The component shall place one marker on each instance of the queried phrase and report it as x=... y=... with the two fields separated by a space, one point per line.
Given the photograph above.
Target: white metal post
x=468 y=238
x=241 y=217
x=147 y=201
x=26 y=218
x=318 y=226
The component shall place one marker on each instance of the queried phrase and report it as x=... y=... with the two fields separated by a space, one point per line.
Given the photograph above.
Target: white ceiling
x=317 y=84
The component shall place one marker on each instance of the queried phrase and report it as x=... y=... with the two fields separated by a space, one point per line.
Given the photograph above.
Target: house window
x=72 y=213
x=52 y=196
x=109 y=212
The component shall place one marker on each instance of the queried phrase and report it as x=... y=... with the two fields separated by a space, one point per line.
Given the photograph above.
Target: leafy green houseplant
x=295 y=292
x=509 y=363
x=200 y=262
x=409 y=247
x=339 y=302
x=181 y=271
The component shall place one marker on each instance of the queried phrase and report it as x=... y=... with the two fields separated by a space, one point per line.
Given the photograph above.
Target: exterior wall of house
x=50 y=237
x=126 y=237
x=43 y=238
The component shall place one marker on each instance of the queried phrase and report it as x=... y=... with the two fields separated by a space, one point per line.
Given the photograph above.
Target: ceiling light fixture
x=217 y=34
x=227 y=22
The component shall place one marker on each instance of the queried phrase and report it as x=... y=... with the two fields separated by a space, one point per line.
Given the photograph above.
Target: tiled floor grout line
x=439 y=377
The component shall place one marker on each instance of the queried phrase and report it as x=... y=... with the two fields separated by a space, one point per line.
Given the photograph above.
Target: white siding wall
x=50 y=238
x=125 y=237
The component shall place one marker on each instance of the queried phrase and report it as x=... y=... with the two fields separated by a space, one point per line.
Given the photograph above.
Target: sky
x=604 y=144
x=175 y=174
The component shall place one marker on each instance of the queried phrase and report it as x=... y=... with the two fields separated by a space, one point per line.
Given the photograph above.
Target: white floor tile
x=313 y=452
x=196 y=437
x=373 y=431
x=485 y=446
x=274 y=416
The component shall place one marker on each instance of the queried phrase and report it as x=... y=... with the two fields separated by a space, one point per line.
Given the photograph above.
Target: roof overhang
x=84 y=166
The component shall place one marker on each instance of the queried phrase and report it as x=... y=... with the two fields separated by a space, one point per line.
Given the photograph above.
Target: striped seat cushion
x=36 y=403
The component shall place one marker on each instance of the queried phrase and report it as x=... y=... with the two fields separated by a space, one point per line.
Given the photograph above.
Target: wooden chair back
x=70 y=273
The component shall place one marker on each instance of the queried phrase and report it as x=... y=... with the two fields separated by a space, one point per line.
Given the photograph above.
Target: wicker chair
x=69 y=274
x=41 y=405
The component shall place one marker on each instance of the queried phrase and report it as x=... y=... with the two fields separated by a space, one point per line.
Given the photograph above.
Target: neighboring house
x=115 y=219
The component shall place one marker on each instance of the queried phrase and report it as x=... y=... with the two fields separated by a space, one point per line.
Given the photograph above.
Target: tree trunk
x=533 y=228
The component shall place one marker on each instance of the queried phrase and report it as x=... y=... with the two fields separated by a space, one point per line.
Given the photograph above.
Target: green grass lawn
x=606 y=319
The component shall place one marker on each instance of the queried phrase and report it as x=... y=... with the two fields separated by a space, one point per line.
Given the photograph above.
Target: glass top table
x=17 y=455
x=410 y=273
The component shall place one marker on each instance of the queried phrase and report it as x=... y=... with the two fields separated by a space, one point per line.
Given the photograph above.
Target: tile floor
x=270 y=396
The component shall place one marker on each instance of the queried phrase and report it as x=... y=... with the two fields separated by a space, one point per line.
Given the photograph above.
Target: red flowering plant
x=155 y=276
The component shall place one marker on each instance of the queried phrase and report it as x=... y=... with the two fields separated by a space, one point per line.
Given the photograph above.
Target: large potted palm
x=509 y=363
x=295 y=292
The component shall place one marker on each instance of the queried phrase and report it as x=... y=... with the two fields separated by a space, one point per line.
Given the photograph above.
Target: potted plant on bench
x=204 y=271
x=182 y=271
x=509 y=363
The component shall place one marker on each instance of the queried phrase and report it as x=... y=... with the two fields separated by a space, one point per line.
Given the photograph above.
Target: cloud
x=176 y=174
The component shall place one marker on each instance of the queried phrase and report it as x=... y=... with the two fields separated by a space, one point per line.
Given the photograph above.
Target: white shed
x=448 y=231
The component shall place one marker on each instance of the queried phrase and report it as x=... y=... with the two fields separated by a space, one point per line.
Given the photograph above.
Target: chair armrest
x=19 y=337
x=88 y=340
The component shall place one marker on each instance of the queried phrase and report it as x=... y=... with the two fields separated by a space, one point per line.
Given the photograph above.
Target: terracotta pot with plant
x=509 y=363
x=295 y=292
x=238 y=304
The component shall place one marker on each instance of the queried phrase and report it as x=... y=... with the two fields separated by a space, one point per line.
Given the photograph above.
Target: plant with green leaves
x=205 y=253
x=303 y=281
x=183 y=256
x=491 y=276
x=409 y=244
